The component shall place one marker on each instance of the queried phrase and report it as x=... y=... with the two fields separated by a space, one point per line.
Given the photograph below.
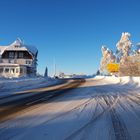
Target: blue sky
x=71 y=31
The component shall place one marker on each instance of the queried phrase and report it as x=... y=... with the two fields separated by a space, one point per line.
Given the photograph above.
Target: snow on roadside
x=11 y=86
x=120 y=80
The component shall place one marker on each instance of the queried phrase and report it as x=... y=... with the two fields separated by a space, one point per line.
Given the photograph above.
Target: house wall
x=19 y=63
x=16 y=54
x=28 y=62
x=13 y=71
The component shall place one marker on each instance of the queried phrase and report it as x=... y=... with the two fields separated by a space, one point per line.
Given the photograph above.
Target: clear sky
x=71 y=31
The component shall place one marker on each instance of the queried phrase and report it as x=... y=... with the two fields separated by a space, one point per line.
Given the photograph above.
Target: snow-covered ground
x=13 y=86
x=103 y=108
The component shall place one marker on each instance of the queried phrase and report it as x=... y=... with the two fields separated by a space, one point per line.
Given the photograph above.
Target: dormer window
x=16 y=46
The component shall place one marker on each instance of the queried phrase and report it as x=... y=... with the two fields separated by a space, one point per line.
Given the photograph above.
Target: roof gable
x=18 y=45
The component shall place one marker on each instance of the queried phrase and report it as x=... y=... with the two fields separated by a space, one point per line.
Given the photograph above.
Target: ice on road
x=99 y=109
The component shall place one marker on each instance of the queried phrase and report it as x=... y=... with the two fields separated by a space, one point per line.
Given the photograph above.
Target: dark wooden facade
x=16 y=55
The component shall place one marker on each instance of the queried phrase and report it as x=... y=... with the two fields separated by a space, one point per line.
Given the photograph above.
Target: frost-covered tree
x=137 y=51
x=128 y=60
x=123 y=47
x=111 y=58
x=103 y=59
x=107 y=57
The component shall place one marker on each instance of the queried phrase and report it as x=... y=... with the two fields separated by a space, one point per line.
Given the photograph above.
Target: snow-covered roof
x=18 y=45
x=2 y=49
x=32 y=49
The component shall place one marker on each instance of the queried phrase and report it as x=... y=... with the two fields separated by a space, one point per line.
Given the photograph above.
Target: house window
x=6 y=70
x=11 y=54
x=17 y=70
x=21 y=70
x=1 y=70
x=10 y=61
x=20 y=55
x=16 y=46
x=28 y=62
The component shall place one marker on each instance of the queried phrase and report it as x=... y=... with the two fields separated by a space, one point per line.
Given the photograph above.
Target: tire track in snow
x=82 y=105
x=134 y=100
x=95 y=118
x=133 y=109
x=120 y=130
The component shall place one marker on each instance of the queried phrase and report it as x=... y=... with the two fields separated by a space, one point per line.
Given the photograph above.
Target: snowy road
x=98 y=109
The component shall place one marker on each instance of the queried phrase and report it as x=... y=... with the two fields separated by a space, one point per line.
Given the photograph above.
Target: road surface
x=94 y=109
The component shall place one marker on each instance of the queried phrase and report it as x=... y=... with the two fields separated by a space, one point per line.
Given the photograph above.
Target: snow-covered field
x=10 y=87
x=103 y=108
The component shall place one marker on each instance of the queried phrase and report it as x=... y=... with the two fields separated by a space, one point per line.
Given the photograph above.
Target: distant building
x=63 y=75
x=18 y=60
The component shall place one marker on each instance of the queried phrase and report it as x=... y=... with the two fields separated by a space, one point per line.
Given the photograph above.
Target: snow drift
x=121 y=80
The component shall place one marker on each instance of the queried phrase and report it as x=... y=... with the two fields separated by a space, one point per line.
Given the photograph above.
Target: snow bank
x=130 y=80
x=99 y=77
x=109 y=79
x=11 y=86
x=121 y=80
